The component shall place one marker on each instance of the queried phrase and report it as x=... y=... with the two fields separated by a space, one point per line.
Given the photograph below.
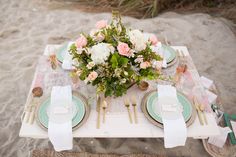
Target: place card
x=60 y=110
x=170 y=108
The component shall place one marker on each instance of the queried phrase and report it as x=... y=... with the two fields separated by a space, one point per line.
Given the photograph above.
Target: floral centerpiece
x=113 y=57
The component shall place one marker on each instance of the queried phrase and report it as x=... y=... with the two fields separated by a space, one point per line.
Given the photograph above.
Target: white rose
x=100 y=53
x=137 y=39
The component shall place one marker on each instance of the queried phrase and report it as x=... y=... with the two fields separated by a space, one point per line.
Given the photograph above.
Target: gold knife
x=198 y=112
x=98 y=108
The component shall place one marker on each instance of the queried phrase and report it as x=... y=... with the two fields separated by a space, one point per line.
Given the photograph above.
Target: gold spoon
x=134 y=104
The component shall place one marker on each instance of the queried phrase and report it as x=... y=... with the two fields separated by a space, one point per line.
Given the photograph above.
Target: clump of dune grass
x=151 y=8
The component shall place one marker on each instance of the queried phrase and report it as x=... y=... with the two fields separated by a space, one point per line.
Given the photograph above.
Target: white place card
x=60 y=110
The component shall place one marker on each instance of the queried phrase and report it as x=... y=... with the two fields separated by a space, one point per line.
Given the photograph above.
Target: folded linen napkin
x=67 y=61
x=175 y=131
x=60 y=118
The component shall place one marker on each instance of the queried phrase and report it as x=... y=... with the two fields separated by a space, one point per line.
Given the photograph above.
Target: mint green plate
x=169 y=53
x=61 y=52
x=152 y=101
x=77 y=118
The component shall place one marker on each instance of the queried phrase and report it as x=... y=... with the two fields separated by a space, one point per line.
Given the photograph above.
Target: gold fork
x=134 y=104
x=127 y=105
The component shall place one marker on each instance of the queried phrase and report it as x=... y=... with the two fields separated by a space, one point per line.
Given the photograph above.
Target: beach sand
x=26 y=27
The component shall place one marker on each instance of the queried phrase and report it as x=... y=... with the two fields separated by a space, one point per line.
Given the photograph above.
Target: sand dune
x=27 y=26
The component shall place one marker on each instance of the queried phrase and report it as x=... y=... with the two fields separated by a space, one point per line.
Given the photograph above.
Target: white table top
x=117 y=123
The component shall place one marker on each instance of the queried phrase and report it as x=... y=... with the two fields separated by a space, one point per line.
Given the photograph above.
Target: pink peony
x=153 y=39
x=81 y=42
x=101 y=24
x=92 y=76
x=145 y=65
x=124 y=49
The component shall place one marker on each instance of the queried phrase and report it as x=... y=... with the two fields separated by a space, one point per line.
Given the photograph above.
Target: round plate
x=61 y=52
x=43 y=117
x=152 y=101
x=153 y=121
x=169 y=53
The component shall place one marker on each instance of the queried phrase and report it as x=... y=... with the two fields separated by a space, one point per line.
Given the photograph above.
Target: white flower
x=100 y=53
x=126 y=73
x=137 y=39
x=90 y=65
x=117 y=72
x=123 y=80
x=79 y=50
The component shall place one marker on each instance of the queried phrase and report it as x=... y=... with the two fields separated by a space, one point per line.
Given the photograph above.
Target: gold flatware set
x=134 y=104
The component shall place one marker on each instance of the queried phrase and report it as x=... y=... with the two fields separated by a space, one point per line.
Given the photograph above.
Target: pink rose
x=145 y=65
x=101 y=24
x=81 y=42
x=92 y=76
x=153 y=39
x=124 y=49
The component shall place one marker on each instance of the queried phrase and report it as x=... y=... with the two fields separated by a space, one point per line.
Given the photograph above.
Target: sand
x=27 y=26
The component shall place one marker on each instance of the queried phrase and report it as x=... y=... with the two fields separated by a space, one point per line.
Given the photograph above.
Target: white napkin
x=60 y=118
x=67 y=61
x=175 y=131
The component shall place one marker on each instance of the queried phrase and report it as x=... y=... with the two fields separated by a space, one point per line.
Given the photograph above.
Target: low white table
x=117 y=123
